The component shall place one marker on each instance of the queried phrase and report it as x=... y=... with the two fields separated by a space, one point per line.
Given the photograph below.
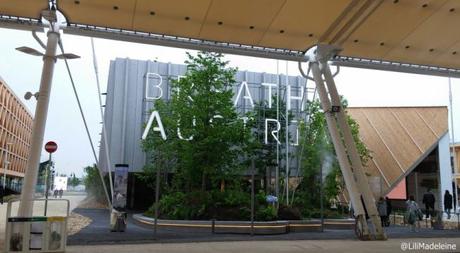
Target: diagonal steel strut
x=355 y=179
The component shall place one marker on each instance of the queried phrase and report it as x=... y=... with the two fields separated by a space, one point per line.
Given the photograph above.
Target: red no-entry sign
x=51 y=147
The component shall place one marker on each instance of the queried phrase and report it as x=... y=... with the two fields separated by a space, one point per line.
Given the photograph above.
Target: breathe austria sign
x=243 y=92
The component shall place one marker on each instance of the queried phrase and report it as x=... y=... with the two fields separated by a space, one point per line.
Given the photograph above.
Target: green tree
x=265 y=153
x=200 y=110
x=73 y=180
x=316 y=151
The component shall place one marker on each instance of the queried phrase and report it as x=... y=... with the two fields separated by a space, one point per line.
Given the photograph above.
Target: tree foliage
x=317 y=151
x=265 y=153
x=201 y=111
x=73 y=180
x=209 y=147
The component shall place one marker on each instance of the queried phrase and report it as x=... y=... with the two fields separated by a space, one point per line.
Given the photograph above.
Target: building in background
x=15 y=134
x=131 y=86
x=410 y=145
x=410 y=151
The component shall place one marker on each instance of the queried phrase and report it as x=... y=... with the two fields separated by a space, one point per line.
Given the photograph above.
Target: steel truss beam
x=362 y=63
x=347 y=154
x=223 y=47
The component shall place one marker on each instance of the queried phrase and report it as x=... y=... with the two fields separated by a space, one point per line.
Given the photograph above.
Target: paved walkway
x=98 y=233
x=392 y=245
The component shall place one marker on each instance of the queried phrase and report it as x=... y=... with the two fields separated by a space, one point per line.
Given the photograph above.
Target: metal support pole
x=252 y=196
x=345 y=147
x=350 y=182
x=104 y=129
x=39 y=123
x=321 y=195
x=456 y=172
x=213 y=226
x=352 y=151
x=277 y=169
x=286 y=117
x=157 y=197
x=46 y=183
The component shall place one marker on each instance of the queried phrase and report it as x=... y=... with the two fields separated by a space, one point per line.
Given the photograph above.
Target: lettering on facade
x=243 y=89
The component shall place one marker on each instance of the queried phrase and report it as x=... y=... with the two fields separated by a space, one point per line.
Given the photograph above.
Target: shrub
x=289 y=213
x=173 y=206
x=267 y=213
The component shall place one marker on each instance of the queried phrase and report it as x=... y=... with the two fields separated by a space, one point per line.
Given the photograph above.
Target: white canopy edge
x=227 y=48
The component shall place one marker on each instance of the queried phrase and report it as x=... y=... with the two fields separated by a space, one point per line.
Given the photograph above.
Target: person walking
x=429 y=200
x=2 y=193
x=447 y=203
x=389 y=209
x=382 y=209
x=413 y=212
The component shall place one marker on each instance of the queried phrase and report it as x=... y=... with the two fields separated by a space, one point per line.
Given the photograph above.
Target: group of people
x=429 y=200
x=413 y=211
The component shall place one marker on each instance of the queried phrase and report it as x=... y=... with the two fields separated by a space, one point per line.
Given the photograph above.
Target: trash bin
x=118 y=221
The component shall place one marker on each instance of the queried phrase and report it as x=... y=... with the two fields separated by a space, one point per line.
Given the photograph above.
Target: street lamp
x=5 y=162
x=41 y=110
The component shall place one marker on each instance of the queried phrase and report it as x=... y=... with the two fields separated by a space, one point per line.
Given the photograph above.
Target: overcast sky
x=22 y=73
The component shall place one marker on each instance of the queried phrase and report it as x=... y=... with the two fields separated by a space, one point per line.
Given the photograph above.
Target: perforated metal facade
x=127 y=109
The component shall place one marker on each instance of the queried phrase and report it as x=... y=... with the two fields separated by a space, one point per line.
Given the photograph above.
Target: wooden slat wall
x=398 y=137
x=16 y=128
x=380 y=153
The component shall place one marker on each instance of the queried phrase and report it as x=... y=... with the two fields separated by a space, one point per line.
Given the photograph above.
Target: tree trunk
x=222 y=185
x=203 y=182
x=267 y=180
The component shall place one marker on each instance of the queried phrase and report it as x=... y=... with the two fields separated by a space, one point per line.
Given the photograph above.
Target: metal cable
x=84 y=122
x=104 y=132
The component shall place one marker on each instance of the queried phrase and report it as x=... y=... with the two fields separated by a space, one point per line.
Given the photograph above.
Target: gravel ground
x=77 y=222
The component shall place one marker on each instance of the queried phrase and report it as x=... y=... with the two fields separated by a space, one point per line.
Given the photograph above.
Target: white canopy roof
x=423 y=32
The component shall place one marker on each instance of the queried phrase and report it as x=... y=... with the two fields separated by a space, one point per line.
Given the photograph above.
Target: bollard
x=213 y=226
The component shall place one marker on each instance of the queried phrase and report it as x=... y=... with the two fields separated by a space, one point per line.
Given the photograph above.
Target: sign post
x=50 y=147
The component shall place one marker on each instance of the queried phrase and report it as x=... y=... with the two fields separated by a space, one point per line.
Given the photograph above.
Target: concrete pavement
x=392 y=245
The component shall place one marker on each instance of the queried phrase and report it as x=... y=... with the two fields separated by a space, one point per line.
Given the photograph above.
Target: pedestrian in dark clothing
x=447 y=203
x=2 y=192
x=429 y=200
x=389 y=209
x=382 y=209
x=60 y=193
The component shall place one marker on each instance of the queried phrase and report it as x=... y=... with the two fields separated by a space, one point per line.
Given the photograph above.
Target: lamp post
x=41 y=110
x=5 y=167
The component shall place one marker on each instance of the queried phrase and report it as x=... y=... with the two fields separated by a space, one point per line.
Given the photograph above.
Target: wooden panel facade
x=15 y=132
x=399 y=137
